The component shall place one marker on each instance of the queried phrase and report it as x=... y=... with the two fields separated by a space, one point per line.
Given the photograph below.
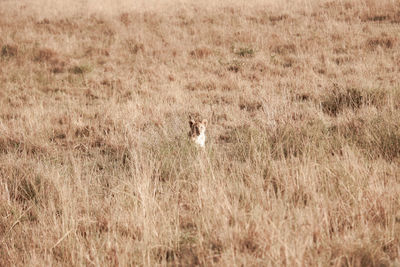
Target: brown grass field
x=302 y=159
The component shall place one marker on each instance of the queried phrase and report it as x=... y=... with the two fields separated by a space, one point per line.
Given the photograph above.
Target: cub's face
x=197 y=127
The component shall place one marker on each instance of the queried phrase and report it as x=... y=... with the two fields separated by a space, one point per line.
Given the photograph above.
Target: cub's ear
x=205 y=122
x=191 y=122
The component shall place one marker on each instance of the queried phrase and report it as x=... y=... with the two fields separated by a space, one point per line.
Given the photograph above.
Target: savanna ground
x=302 y=164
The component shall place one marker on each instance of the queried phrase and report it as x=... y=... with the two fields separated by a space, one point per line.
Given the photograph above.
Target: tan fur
x=198 y=131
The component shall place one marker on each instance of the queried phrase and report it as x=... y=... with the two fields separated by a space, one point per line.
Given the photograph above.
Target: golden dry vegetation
x=302 y=163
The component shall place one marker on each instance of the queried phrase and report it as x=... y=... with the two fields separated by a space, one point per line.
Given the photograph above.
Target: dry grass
x=302 y=164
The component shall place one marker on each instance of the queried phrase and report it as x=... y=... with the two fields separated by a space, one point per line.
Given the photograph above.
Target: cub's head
x=197 y=131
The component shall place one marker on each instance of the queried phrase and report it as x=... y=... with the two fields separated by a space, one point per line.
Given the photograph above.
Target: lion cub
x=198 y=131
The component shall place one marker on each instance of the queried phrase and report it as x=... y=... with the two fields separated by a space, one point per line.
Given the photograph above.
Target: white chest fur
x=200 y=140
